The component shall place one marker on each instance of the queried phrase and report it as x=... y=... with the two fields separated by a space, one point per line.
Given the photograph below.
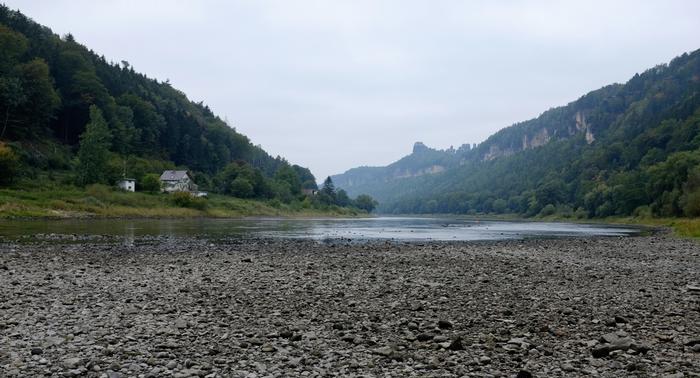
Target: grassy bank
x=64 y=201
x=684 y=227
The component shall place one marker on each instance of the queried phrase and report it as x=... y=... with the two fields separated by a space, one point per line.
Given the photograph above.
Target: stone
x=385 y=351
x=641 y=348
x=444 y=324
x=456 y=344
x=524 y=374
x=36 y=351
x=424 y=337
x=600 y=351
x=71 y=363
x=616 y=342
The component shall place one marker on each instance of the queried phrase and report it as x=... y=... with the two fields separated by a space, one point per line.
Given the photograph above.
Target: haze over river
x=390 y=228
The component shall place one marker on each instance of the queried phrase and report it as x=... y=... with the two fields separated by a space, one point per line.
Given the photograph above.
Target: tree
x=341 y=198
x=327 y=195
x=41 y=98
x=242 y=188
x=9 y=164
x=93 y=154
x=690 y=200
x=365 y=202
x=328 y=187
x=288 y=174
x=150 y=183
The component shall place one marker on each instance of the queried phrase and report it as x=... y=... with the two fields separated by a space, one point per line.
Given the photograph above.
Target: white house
x=127 y=184
x=177 y=181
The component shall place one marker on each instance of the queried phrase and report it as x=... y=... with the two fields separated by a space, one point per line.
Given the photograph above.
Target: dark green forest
x=625 y=149
x=52 y=88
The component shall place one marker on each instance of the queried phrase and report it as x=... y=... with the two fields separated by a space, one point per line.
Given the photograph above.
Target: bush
x=150 y=183
x=500 y=206
x=581 y=213
x=548 y=210
x=99 y=191
x=184 y=199
x=9 y=165
x=242 y=188
x=690 y=202
x=642 y=212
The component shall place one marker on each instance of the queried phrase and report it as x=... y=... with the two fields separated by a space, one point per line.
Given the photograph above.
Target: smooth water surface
x=394 y=228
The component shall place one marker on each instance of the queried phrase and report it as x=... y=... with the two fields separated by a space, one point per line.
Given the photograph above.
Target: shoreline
x=190 y=307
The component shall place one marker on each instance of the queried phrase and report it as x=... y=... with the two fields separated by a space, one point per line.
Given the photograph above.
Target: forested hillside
x=624 y=149
x=48 y=86
x=423 y=160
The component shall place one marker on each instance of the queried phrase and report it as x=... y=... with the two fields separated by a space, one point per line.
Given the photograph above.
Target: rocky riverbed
x=610 y=307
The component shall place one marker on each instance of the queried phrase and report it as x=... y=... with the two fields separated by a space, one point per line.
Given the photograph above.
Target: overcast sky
x=336 y=84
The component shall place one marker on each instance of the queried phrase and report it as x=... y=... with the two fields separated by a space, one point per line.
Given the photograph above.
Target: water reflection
x=396 y=228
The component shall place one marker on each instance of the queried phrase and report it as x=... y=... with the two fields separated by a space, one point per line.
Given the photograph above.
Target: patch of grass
x=684 y=227
x=66 y=201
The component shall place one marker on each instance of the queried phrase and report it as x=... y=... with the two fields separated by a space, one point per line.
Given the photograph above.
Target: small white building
x=177 y=181
x=127 y=184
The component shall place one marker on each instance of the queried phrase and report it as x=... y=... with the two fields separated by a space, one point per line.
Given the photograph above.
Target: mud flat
x=611 y=307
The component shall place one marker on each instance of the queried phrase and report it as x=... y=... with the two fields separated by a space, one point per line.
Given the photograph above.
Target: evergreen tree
x=93 y=154
x=328 y=187
x=327 y=194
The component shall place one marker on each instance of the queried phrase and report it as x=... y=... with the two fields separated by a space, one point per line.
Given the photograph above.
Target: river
x=390 y=228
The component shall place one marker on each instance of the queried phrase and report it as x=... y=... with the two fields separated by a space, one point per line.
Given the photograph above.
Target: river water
x=390 y=228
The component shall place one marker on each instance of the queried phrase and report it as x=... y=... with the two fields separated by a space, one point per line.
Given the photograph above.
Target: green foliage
x=93 y=154
x=619 y=150
x=365 y=202
x=342 y=199
x=327 y=193
x=241 y=188
x=183 y=199
x=548 y=210
x=287 y=174
x=690 y=200
x=9 y=164
x=48 y=85
x=150 y=183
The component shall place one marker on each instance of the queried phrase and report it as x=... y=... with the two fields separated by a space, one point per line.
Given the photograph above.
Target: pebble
x=165 y=307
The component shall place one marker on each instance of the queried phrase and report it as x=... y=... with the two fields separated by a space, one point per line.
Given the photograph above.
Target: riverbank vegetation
x=73 y=125
x=55 y=200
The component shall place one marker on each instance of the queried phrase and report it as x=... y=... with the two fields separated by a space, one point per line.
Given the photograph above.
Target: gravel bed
x=185 y=307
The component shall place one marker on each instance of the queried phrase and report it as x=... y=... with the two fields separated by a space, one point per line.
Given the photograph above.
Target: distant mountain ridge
x=596 y=155
x=423 y=160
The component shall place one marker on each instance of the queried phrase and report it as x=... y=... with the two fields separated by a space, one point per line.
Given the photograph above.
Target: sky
x=332 y=85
